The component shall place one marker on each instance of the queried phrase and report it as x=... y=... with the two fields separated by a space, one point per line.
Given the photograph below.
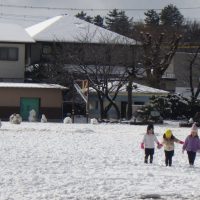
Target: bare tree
x=104 y=86
x=157 y=56
x=104 y=75
x=193 y=61
x=104 y=58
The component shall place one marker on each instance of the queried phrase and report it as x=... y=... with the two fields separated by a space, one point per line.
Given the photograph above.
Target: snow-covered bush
x=15 y=119
x=32 y=116
x=170 y=107
x=67 y=120
x=94 y=121
x=43 y=119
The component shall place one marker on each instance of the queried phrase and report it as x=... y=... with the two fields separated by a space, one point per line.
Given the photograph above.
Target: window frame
x=7 y=52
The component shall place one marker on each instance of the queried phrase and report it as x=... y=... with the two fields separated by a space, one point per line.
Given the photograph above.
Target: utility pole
x=87 y=103
x=73 y=106
x=129 y=91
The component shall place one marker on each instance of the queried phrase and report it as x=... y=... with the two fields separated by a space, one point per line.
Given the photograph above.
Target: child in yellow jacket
x=168 y=142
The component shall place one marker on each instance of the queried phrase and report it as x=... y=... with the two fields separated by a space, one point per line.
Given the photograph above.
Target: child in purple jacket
x=192 y=144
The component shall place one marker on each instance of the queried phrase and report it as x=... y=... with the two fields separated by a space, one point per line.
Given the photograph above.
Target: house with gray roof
x=17 y=96
x=78 y=37
x=141 y=95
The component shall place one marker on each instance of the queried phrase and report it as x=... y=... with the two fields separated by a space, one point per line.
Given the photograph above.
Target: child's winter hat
x=168 y=133
x=149 y=127
x=194 y=128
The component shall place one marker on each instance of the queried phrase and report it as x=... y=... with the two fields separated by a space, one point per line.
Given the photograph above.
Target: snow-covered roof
x=14 y=33
x=68 y=28
x=137 y=89
x=31 y=85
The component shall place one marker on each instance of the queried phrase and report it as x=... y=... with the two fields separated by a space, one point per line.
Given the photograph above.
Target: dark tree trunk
x=129 y=90
x=112 y=103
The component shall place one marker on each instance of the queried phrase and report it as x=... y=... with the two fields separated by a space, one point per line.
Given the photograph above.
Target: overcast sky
x=10 y=14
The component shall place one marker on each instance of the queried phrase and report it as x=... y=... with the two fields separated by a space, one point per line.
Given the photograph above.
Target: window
x=9 y=53
x=94 y=105
x=139 y=102
x=46 y=50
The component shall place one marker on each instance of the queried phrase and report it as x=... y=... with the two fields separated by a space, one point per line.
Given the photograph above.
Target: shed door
x=27 y=104
x=123 y=109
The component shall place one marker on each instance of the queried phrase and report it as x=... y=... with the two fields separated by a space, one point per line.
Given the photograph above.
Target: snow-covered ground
x=52 y=161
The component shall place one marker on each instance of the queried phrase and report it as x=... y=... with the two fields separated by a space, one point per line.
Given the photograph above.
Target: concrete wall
x=49 y=97
x=181 y=69
x=50 y=101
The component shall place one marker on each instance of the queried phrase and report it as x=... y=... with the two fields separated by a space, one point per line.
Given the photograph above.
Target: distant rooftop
x=66 y=28
x=137 y=89
x=14 y=33
x=31 y=85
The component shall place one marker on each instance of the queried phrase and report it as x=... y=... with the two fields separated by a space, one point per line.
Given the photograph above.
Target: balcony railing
x=168 y=75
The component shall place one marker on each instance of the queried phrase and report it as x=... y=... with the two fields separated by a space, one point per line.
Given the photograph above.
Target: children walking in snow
x=148 y=143
x=192 y=144
x=168 y=143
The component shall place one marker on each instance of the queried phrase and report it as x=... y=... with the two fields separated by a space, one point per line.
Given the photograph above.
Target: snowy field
x=55 y=161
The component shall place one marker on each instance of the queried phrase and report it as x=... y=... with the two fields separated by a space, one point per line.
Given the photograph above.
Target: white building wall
x=13 y=69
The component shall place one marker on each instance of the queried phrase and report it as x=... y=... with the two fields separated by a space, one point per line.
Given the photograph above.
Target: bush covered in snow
x=170 y=107
x=67 y=120
x=15 y=119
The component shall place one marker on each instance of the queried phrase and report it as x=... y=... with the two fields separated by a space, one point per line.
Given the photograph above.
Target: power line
x=18 y=19
x=90 y=9
x=23 y=16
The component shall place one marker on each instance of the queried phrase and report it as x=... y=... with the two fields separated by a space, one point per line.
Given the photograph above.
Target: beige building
x=17 y=96
x=23 y=97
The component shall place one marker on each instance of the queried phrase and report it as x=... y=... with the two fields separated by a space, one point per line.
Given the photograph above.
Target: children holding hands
x=191 y=144
x=149 y=140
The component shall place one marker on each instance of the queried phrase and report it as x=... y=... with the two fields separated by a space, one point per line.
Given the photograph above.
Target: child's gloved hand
x=142 y=146
x=159 y=146
x=181 y=142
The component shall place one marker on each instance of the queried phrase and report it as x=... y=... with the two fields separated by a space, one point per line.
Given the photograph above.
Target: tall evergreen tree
x=118 y=22
x=81 y=15
x=111 y=20
x=98 y=20
x=84 y=16
x=152 y=17
x=171 y=16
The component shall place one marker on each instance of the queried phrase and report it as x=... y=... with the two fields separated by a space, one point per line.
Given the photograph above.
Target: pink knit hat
x=194 y=128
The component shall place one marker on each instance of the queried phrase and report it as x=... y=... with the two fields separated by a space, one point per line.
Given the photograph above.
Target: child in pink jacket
x=148 y=143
